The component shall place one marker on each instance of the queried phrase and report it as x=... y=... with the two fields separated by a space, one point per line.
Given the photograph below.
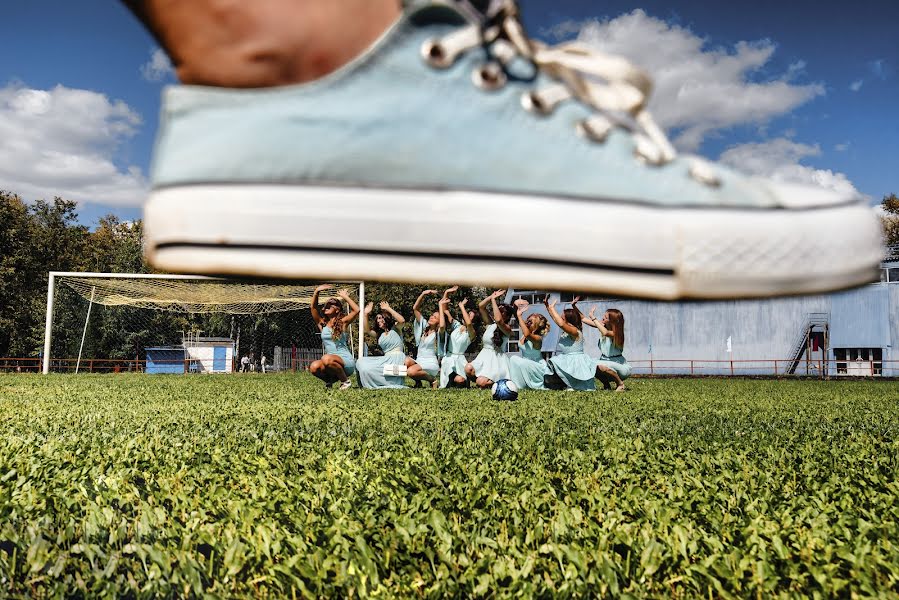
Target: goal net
x=102 y=322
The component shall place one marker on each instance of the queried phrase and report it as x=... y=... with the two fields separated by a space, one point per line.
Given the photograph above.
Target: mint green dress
x=454 y=361
x=492 y=362
x=426 y=357
x=370 y=369
x=528 y=369
x=612 y=357
x=572 y=364
x=339 y=347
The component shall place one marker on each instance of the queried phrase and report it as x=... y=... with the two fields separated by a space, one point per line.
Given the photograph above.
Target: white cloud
x=842 y=147
x=780 y=159
x=699 y=90
x=159 y=67
x=856 y=85
x=63 y=141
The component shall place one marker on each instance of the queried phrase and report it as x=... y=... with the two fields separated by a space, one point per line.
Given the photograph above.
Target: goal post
x=138 y=312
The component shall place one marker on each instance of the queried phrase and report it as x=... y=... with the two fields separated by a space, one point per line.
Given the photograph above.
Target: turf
x=252 y=485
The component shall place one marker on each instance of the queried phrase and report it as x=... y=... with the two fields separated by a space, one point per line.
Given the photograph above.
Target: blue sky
x=800 y=90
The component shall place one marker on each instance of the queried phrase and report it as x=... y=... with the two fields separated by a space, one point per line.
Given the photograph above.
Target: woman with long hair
x=386 y=331
x=426 y=366
x=460 y=337
x=337 y=363
x=611 y=367
x=492 y=363
x=571 y=363
x=528 y=370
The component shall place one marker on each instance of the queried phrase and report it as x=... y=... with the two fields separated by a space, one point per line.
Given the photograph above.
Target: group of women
x=443 y=339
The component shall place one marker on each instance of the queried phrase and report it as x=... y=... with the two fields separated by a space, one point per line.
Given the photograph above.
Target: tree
x=890 y=219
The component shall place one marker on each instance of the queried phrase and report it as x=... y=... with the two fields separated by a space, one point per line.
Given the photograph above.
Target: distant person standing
x=244 y=363
x=262 y=363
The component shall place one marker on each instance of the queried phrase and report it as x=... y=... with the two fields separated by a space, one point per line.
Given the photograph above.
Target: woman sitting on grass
x=571 y=363
x=492 y=364
x=425 y=333
x=337 y=363
x=611 y=367
x=528 y=370
x=452 y=366
x=386 y=331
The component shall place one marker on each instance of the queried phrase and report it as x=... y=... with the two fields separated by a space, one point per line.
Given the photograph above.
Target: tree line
x=43 y=236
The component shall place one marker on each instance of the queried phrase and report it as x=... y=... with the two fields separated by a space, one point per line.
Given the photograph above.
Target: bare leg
x=483 y=382
x=418 y=374
x=470 y=373
x=262 y=43
x=612 y=374
x=334 y=367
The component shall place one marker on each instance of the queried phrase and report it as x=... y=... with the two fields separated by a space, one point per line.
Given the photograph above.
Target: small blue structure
x=165 y=359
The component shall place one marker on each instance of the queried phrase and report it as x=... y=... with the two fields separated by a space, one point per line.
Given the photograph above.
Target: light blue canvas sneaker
x=458 y=150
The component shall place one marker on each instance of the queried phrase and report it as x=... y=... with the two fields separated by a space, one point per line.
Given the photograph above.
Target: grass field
x=273 y=486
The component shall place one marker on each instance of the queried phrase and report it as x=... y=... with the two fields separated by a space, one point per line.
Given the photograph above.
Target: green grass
x=144 y=486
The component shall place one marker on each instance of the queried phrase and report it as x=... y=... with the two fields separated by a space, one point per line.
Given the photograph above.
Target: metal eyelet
x=704 y=173
x=585 y=129
x=434 y=53
x=489 y=77
x=533 y=104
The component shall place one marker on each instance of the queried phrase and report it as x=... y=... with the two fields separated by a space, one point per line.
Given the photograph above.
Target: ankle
x=265 y=43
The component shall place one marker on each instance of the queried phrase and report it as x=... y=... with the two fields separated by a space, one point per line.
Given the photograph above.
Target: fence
x=656 y=367
x=299 y=361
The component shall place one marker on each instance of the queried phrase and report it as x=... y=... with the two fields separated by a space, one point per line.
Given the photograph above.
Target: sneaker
x=457 y=150
x=346 y=384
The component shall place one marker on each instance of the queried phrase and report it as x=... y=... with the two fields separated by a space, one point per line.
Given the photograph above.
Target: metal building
x=843 y=334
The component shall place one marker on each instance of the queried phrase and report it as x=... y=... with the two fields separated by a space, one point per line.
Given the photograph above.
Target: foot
x=393 y=132
x=620 y=388
x=345 y=385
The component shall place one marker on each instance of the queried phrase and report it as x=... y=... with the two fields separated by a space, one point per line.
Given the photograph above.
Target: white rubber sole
x=497 y=240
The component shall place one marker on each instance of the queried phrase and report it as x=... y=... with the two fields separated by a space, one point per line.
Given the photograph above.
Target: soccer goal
x=112 y=322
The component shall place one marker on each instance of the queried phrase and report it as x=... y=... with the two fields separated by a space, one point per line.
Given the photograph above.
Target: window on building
x=860 y=362
x=893 y=275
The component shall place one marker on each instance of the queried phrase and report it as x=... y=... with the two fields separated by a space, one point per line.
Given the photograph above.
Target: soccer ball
x=505 y=389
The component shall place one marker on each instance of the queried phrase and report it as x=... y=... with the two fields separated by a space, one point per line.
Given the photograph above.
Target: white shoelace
x=614 y=88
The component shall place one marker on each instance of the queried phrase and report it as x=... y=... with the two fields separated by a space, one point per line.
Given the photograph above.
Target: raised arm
x=467 y=319
x=521 y=305
x=313 y=305
x=366 y=329
x=354 y=308
x=441 y=309
x=482 y=309
x=584 y=319
x=416 y=308
x=565 y=325
x=400 y=320
x=498 y=316
x=598 y=324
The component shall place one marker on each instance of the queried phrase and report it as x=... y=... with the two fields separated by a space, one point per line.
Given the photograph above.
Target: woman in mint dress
x=455 y=343
x=386 y=330
x=612 y=367
x=528 y=369
x=571 y=363
x=336 y=363
x=426 y=365
x=492 y=363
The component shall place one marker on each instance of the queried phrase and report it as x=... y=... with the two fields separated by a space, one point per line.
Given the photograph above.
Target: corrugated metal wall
x=766 y=330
